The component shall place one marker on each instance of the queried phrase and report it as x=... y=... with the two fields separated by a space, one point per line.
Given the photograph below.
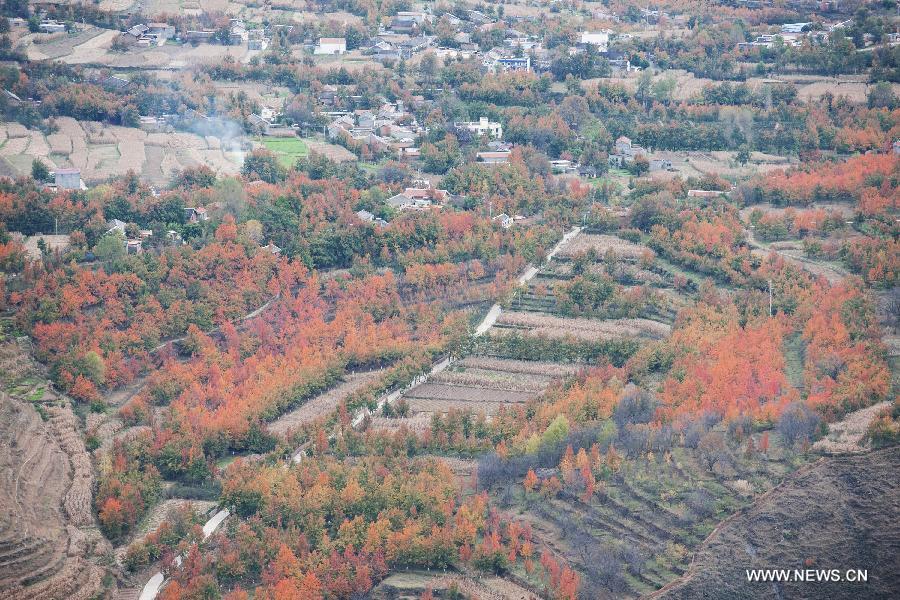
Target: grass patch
x=287 y=150
x=794 y=352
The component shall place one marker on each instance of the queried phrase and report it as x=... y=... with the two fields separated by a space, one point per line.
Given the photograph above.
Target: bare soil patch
x=602 y=244
x=322 y=404
x=544 y=325
x=847 y=435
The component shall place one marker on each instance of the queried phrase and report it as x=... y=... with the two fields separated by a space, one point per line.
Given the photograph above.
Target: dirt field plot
x=602 y=244
x=583 y=329
x=458 y=393
x=476 y=383
x=546 y=369
x=322 y=404
x=418 y=423
x=330 y=151
x=493 y=380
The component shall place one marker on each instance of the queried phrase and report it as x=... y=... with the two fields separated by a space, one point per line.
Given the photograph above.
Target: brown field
x=412 y=584
x=492 y=380
x=687 y=85
x=602 y=244
x=721 y=163
x=581 y=328
x=505 y=365
x=845 y=210
x=848 y=434
x=809 y=87
x=435 y=397
x=475 y=383
x=330 y=151
x=42 y=46
x=322 y=404
x=418 y=423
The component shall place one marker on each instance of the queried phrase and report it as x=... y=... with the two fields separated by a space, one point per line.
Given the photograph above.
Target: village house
x=238 y=33
x=504 y=220
x=257 y=40
x=388 y=129
x=625 y=152
x=413 y=46
x=197 y=36
x=368 y=217
x=195 y=215
x=161 y=30
x=417 y=198
x=408 y=22
x=563 y=166
x=502 y=60
x=481 y=127
x=705 y=193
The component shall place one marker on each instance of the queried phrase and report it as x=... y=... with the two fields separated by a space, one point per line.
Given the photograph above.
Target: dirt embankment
x=841 y=513
x=45 y=501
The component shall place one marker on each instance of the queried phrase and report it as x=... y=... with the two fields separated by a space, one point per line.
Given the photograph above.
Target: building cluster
x=794 y=34
x=236 y=34
x=387 y=129
x=266 y=122
x=626 y=152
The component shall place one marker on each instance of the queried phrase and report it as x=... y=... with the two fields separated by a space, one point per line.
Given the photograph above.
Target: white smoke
x=231 y=135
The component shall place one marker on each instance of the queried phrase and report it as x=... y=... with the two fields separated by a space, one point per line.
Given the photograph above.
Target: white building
x=600 y=39
x=68 y=179
x=482 y=127
x=161 y=30
x=51 y=26
x=504 y=220
x=331 y=46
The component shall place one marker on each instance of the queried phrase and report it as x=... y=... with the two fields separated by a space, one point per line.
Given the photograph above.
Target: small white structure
x=68 y=179
x=504 y=220
x=482 y=127
x=599 y=39
x=331 y=46
x=51 y=26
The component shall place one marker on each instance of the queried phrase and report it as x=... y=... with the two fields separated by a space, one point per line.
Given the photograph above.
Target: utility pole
x=770 y=297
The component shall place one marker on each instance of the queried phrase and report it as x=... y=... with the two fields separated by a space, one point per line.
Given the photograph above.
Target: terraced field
x=103 y=151
x=501 y=373
x=47 y=532
x=476 y=383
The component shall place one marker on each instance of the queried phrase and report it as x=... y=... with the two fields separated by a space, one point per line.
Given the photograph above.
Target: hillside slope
x=841 y=513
